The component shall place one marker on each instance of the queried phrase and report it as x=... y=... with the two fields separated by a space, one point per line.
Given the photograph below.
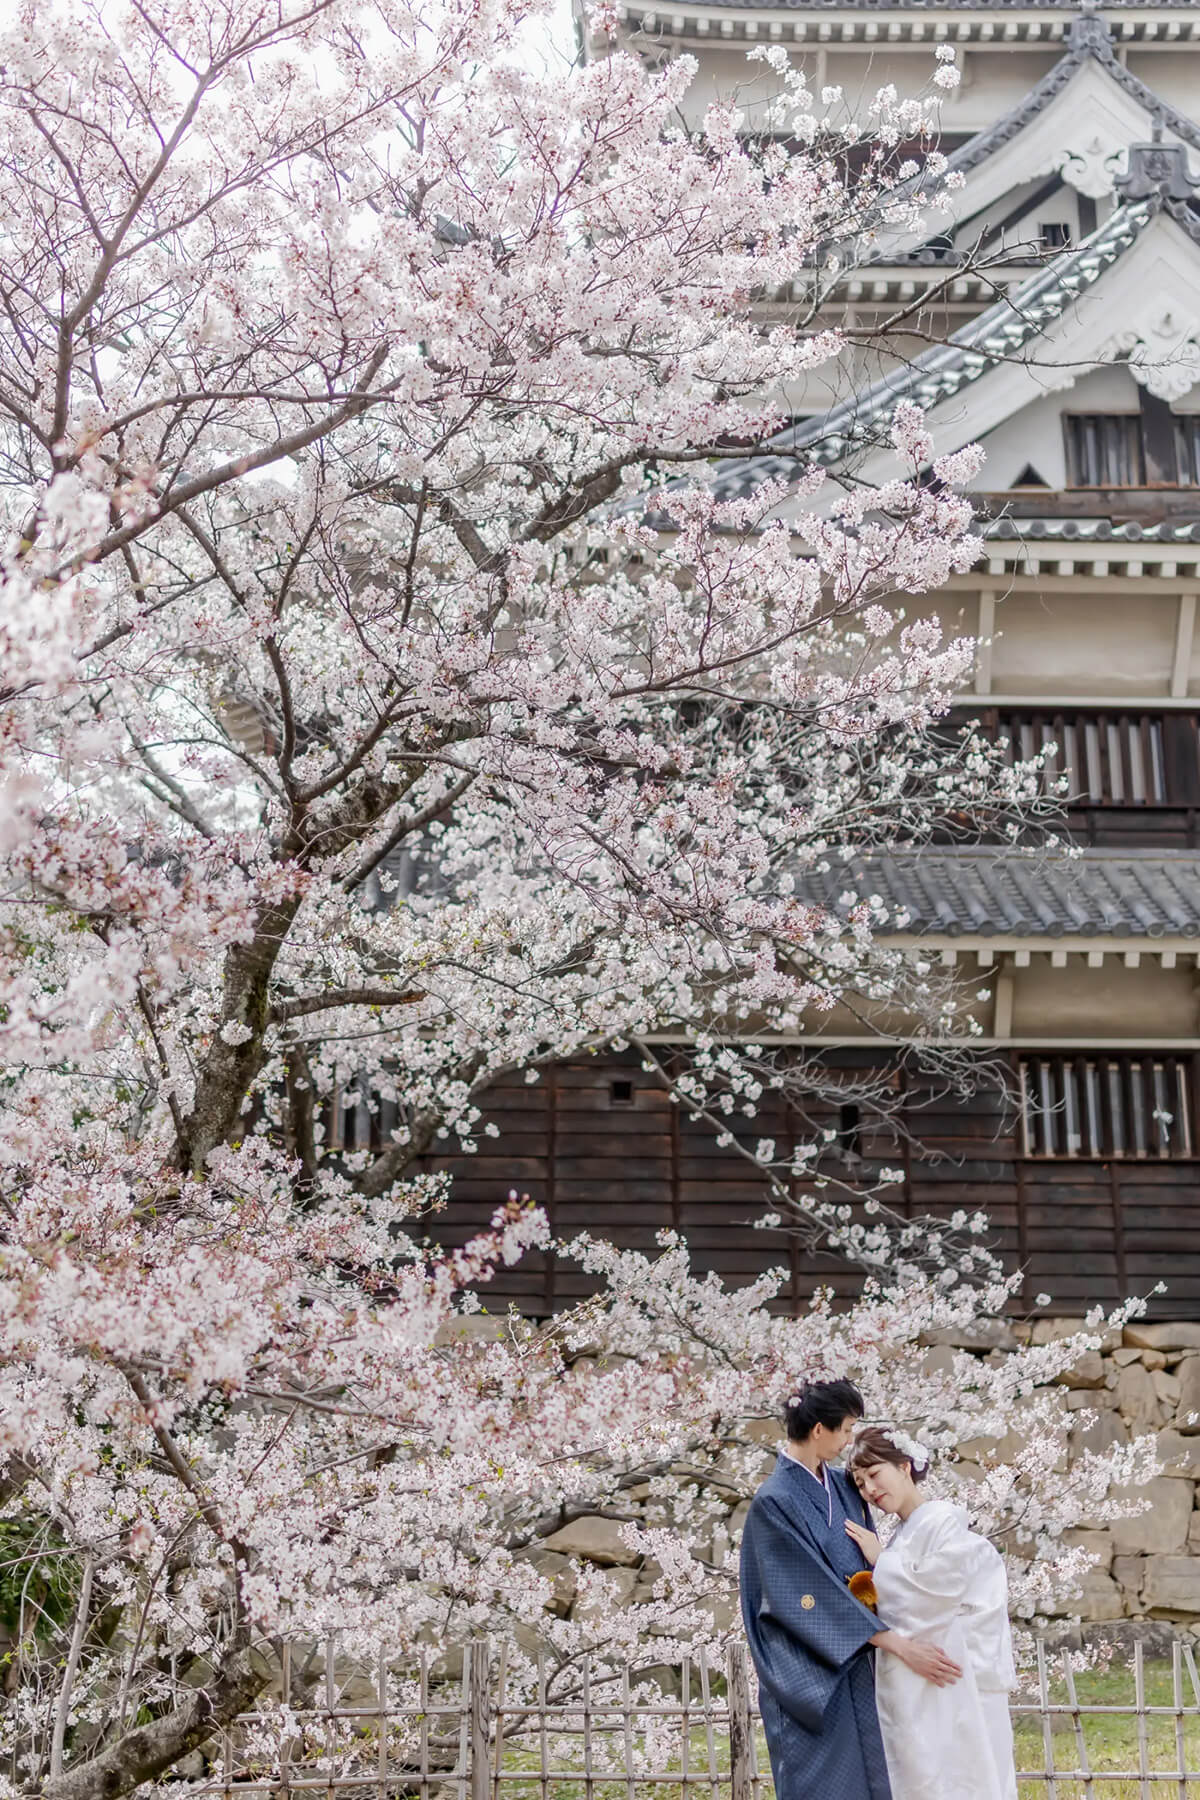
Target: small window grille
x=620 y=1093
x=1106 y=759
x=349 y=1116
x=1105 y=450
x=1054 y=234
x=1135 y=1108
x=1187 y=449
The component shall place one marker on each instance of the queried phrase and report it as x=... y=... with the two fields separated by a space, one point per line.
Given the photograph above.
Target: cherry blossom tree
x=383 y=691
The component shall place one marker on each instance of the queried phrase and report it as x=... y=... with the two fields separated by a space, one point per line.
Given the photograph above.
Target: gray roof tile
x=1005 y=893
x=948 y=368
x=1094 y=531
x=999 y=6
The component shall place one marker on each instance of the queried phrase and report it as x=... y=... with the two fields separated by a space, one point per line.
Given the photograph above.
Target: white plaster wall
x=1060 y=208
x=1119 y=644
x=1095 y=1006
x=869 y=1017
x=1098 y=1005
x=994 y=79
x=957 y=614
x=1035 y=435
x=1171 y=70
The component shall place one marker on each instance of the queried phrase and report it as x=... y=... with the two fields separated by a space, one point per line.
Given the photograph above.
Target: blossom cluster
x=380 y=714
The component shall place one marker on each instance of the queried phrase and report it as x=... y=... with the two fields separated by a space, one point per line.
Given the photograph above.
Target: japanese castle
x=1056 y=321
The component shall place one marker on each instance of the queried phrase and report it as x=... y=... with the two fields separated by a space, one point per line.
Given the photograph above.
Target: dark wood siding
x=628 y=1164
x=1132 y=776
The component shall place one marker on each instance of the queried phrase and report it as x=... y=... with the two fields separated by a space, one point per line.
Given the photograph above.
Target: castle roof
x=999 y=892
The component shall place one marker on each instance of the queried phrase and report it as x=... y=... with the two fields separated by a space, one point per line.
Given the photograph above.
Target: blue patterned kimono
x=808 y=1636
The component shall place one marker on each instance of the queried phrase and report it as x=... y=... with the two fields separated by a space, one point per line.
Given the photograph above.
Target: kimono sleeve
x=940 y=1555
x=803 y=1624
x=949 y=1562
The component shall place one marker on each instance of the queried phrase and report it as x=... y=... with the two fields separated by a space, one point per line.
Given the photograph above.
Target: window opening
x=849 y=1135
x=1187 y=449
x=1104 y=450
x=1108 y=759
x=1135 y=1108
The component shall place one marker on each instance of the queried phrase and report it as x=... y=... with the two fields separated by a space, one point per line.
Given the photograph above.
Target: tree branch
x=145 y=1751
x=233 y=470
x=406 y=828
x=361 y=996
x=63 y=1711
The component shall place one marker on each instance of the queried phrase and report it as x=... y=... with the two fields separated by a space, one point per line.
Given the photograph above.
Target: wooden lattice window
x=1187 y=449
x=1127 y=1107
x=1105 y=450
x=1107 y=759
x=357 y=1117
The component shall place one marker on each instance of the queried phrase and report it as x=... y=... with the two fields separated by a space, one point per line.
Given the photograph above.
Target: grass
x=1111 y=1743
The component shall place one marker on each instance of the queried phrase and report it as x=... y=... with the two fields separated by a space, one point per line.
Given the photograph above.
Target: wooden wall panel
x=626 y=1164
x=1074 y=1246
x=1160 y=1207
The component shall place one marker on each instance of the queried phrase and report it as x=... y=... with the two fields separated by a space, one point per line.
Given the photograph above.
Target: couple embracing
x=927 y=1717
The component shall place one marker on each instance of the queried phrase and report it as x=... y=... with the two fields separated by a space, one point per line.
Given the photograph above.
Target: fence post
x=479 y=1672
x=741 y=1742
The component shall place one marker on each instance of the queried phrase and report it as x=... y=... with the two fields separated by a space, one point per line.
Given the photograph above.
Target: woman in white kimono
x=936 y=1580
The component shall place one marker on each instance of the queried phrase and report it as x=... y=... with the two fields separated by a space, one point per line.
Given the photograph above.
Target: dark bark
x=390 y=1165
x=300 y=1122
x=144 y=1752
x=230 y=1068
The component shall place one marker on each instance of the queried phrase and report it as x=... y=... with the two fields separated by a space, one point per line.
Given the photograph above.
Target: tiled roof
x=1000 y=6
x=1088 y=39
x=1005 y=893
x=995 y=336
x=952 y=6
x=1095 y=531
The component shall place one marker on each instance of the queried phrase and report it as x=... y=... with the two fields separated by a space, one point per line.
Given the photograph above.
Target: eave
x=996 y=24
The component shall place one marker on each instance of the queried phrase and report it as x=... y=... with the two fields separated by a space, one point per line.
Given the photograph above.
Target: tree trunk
x=229 y=1068
x=147 y=1750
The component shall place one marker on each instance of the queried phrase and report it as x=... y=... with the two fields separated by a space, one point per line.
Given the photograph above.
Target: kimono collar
x=817 y=1489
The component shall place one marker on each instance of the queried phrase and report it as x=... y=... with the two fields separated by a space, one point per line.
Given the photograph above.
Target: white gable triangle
x=1079 y=121
x=1129 y=296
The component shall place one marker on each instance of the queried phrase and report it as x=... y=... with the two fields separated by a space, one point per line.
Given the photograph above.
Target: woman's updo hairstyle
x=874 y=1444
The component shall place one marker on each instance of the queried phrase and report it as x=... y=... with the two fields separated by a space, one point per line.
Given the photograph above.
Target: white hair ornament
x=909 y=1447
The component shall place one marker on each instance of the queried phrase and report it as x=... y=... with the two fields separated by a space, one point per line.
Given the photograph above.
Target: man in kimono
x=811 y=1640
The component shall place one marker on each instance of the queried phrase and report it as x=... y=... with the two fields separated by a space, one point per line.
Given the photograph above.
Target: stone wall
x=1148 y=1381
x=1144 y=1379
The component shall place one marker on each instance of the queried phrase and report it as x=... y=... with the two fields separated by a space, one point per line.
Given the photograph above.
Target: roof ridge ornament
x=1089 y=29
x=1157 y=170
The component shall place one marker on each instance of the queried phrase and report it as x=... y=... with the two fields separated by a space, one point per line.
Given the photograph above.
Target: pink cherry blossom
x=386 y=695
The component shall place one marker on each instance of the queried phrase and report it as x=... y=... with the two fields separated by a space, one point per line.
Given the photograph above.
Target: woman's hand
x=866 y=1540
x=923 y=1659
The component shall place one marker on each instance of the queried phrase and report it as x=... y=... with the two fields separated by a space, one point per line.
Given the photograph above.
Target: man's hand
x=928 y=1661
x=923 y=1659
x=866 y=1540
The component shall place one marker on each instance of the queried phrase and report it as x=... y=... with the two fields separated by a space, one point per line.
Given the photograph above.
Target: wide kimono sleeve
x=802 y=1623
x=952 y=1572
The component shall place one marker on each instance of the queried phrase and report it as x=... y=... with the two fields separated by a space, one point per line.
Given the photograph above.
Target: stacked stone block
x=1145 y=1379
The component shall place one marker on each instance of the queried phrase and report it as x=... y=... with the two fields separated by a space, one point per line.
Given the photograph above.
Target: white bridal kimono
x=939 y=1581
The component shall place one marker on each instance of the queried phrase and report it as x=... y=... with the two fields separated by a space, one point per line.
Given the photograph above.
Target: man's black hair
x=826 y=1403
